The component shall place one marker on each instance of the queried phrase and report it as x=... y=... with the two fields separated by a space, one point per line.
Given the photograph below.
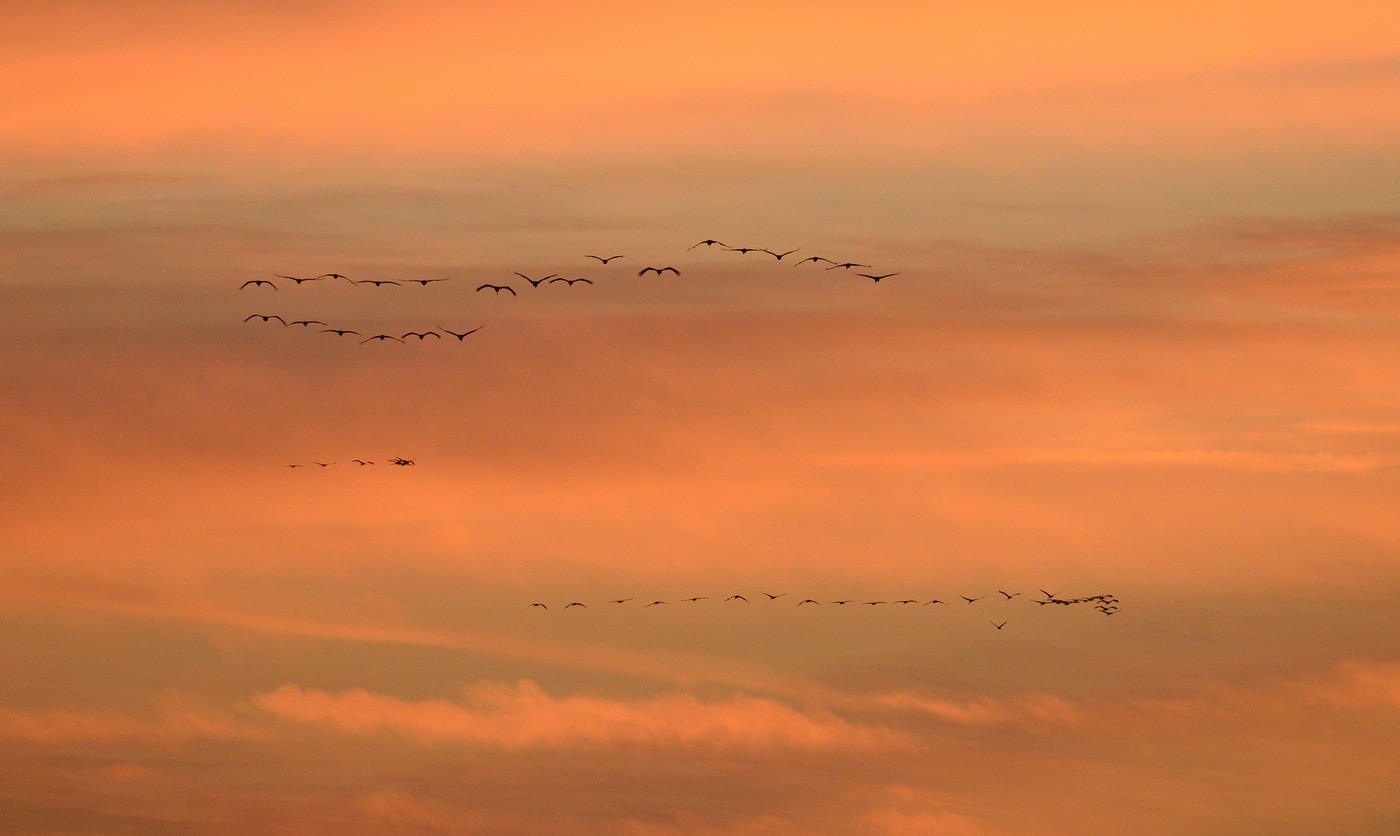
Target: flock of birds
x=397 y=461
x=440 y=332
x=1105 y=603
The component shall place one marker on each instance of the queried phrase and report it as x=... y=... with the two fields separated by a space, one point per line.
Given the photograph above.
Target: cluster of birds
x=1107 y=603
x=440 y=332
x=397 y=461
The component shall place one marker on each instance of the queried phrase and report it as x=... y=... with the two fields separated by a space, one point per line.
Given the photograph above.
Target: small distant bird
x=256 y=282
x=300 y=281
x=652 y=604
x=620 y=600
x=779 y=256
x=327 y=276
x=498 y=288
x=425 y=282
x=808 y=601
x=604 y=260
x=696 y=598
x=907 y=601
x=877 y=279
x=816 y=258
x=323 y=464
x=970 y=600
x=575 y=604
x=538 y=604
x=306 y=323
x=936 y=601
x=736 y=598
x=872 y=603
x=377 y=282
x=422 y=335
x=265 y=317
x=998 y=626
x=461 y=336
x=742 y=250
x=402 y=462
x=843 y=603
x=1049 y=594
x=339 y=332
x=1009 y=595
x=771 y=596
x=381 y=338
x=846 y=265
x=533 y=282
x=361 y=462
x=571 y=282
x=708 y=242
x=657 y=270
x=296 y=465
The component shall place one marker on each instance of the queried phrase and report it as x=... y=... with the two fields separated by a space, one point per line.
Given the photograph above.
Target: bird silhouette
x=970 y=600
x=327 y=276
x=1009 y=595
x=498 y=288
x=808 y=601
x=842 y=603
x=907 y=601
x=265 y=318
x=652 y=604
x=361 y=462
x=426 y=282
x=575 y=604
x=533 y=282
x=1049 y=594
x=696 y=598
x=381 y=338
x=872 y=603
x=620 y=600
x=306 y=323
x=300 y=281
x=422 y=335
x=708 y=242
x=571 y=282
x=402 y=462
x=998 y=626
x=538 y=604
x=877 y=279
x=323 y=464
x=339 y=332
x=846 y=265
x=604 y=260
x=736 y=598
x=771 y=596
x=936 y=601
x=657 y=270
x=256 y=282
x=815 y=258
x=377 y=282
x=296 y=465
x=779 y=256
x=742 y=250
x=461 y=336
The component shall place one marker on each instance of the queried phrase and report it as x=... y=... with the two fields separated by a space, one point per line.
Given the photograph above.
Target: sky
x=1140 y=341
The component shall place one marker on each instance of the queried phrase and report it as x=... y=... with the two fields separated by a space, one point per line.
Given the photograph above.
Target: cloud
x=522 y=715
x=62 y=727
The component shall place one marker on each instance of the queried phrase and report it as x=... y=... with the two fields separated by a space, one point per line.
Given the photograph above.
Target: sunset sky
x=1143 y=340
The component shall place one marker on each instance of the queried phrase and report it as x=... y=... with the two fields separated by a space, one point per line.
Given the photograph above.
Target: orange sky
x=1142 y=340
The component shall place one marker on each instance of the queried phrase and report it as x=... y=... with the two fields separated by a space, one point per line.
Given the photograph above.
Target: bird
x=778 y=256
x=907 y=601
x=326 y=276
x=256 y=282
x=877 y=279
x=657 y=270
x=575 y=604
x=1049 y=594
x=402 y=462
x=708 y=242
x=570 y=282
x=771 y=596
x=498 y=288
x=339 y=332
x=361 y=462
x=1009 y=595
x=381 y=337
x=377 y=282
x=306 y=323
x=936 y=601
x=742 y=250
x=872 y=603
x=808 y=601
x=847 y=265
x=816 y=258
x=847 y=601
x=323 y=464
x=300 y=281
x=970 y=600
x=619 y=600
x=461 y=336
x=736 y=597
x=538 y=604
x=998 y=626
x=425 y=282
x=533 y=282
x=652 y=604
x=696 y=598
x=265 y=317
x=296 y=465
x=604 y=260
x=422 y=335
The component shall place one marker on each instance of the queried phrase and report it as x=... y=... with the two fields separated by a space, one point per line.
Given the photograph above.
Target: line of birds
x=344 y=332
x=398 y=461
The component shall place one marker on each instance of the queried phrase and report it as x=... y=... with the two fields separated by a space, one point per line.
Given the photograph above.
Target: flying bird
x=998 y=626
x=299 y=281
x=256 y=282
x=816 y=258
x=339 y=332
x=652 y=604
x=736 y=597
x=970 y=600
x=533 y=282
x=402 y=462
x=871 y=603
x=265 y=317
x=296 y=465
x=771 y=596
x=742 y=250
x=325 y=276
x=843 y=603
x=306 y=323
x=377 y=282
x=907 y=601
x=877 y=279
x=708 y=242
x=361 y=462
x=537 y=604
x=422 y=335
x=575 y=604
x=846 y=265
x=620 y=600
x=425 y=282
x=936 y=601
x=381 y=338
x=1009 y=595
x=323 y=464
x=657 y=270
x=571 y=282
x=808 y=601
x=461 y=336
x=604 y=260
x=696 y=598
x=498 y=288
x=1049 y=594
x=779 y=256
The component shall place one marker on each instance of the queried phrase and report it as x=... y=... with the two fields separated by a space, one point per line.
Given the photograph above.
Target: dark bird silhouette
x=422 y=335
x=426 y=282
x=575 y=604
x=696 y=598
x=936 y=601
x=339 y=332
x=998 y=626
x=604 y=260
x=326 y=276
x=377 y=282
x=299 y=281
x=538 y=604
x=872 y=603
x=907 y=601
x=619 y=600
x=736 y=598
x=657 y=270
x=842 y=603
x=808 y=601
x=742 y=250
x=323 y=464
x=533 y=282
x=816 y=258
x=779 y=256
x=571 y=282
x=381 y=337
x=1049 y=594
x=652 y=604
x=361 y=462
x=877 y=279
x=461 y=336
x=306 y=323
x=402 y=462
x=256 y=282
x=296 y=465
x=970 y=600
x=771 y=596
x=1009 y=595
x=265 y=318
x=498 y=288
x=708 y=242
x=846 y=265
